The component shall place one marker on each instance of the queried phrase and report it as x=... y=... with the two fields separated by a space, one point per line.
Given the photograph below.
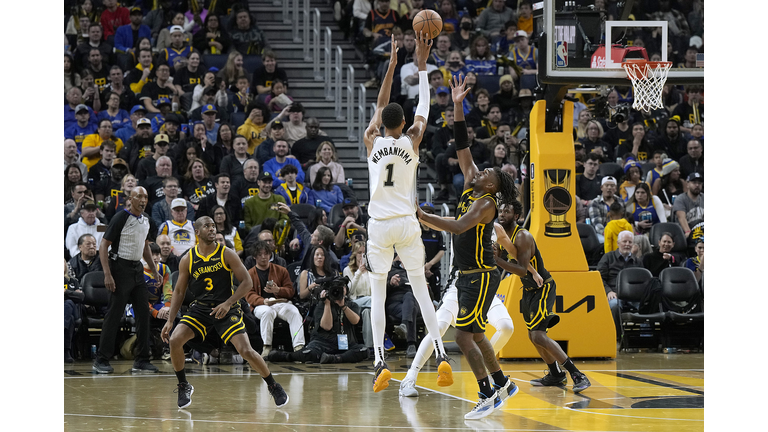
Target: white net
x=648 y=80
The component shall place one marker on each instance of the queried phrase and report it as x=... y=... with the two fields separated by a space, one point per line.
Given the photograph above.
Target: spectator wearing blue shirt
x=209 y=121
x=82 y=126
x=128 y=130
x=75 y=99
x=281 y=159
x=326 y=193
x=164 y=105
x=118 y=117
x=127 y=34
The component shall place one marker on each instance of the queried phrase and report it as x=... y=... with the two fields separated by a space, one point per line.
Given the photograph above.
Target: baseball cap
x=265 y=176
x=81 y=107
x=136 y=9
x=348 y=202
x=442 y=89
x=138 y=108
x=176 y=28
x=578 y=144
x=520 y=33
x=162 y=138
x=143 y=121
x=524 y=93
x=118 y=161
x=694 y=176
x=89 y=205
x=213 y=69
x=208 y=108
x=178 y=202
x=277 y=124
x=210 y=91
x=163 y=101
x=427 y=207
x=608 y=179
x=172 y=118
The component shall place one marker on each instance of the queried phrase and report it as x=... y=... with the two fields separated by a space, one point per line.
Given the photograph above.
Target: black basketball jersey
x=536 y=262
x=473 y=248
x=210 y=278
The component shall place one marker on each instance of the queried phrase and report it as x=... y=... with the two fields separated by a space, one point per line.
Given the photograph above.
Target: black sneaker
x=185 y=391
x=144 y=366
x=551 y=380
x=68 y=357
x=102 y=367
x=327 y=358
x=580 y=382
x=277 y=392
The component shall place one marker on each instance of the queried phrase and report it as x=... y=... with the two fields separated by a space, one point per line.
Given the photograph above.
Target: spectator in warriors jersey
x=179 y=229
x=197 y=184
x=638 y=146
x=264 y=76
x=175 y=56
x=632 y=177
x=97 y=68
x=212 y=39
x=645 y=209
x=480 y=60
x=294 y=192
x=119 y=117
x=190 y=76
x=179 y=20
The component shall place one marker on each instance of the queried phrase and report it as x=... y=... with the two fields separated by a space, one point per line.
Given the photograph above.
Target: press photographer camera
x=613 y=114
x=333 y=339
x=333 y=286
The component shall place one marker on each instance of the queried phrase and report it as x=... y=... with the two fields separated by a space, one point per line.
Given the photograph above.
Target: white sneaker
x=265 y=351
x=408 y=388
x=484 y=406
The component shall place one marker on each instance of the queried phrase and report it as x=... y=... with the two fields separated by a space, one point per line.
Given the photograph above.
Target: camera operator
x=333 y=340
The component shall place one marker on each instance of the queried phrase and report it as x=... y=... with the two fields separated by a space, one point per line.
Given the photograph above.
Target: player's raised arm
x=386 y=87
x=466 y=163
x=416 y=132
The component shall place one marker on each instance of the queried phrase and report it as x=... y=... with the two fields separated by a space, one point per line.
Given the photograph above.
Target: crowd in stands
x=142 y=108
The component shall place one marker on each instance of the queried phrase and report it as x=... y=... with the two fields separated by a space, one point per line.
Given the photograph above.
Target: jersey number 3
x=209 y=283
x=389 y=168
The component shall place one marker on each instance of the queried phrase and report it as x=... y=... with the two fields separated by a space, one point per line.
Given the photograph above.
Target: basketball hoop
x=648 y=80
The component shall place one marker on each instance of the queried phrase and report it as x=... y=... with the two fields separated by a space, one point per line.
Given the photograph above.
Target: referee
x=127 y=234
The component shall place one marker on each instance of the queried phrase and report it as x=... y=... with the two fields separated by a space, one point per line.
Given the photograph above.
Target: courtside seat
x=638 y=328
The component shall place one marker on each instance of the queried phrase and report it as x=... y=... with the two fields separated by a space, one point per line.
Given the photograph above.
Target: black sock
x=182 y=376
x=269 y=380
x=554 y=369
x=568 y=364
x=499 y=379
x=485 y=387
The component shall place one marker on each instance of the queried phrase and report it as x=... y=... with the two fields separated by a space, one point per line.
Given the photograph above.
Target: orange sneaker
x=444 y=372
x=381 y=377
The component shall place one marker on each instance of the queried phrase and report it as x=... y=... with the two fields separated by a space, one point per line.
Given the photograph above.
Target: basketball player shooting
x=392 y=164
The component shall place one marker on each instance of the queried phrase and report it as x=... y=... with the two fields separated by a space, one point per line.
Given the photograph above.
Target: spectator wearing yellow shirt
x=92 y=143
x=618 y=223
x=254 y=127
x=525 y=17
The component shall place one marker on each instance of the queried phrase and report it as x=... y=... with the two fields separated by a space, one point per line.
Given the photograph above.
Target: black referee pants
x=129 y=288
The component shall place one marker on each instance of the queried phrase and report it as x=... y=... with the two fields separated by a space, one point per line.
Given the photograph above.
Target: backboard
x=572 y=47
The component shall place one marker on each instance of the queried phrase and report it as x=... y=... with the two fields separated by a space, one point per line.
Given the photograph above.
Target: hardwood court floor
x=637 y=392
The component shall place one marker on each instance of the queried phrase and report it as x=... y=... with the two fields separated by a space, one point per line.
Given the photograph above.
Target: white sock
x=421 y=293
x=378 y=314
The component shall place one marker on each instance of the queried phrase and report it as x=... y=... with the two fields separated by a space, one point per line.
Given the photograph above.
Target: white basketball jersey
x=392 y=168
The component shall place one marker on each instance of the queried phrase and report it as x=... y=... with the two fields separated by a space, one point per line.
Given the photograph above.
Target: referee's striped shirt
x=128 y=233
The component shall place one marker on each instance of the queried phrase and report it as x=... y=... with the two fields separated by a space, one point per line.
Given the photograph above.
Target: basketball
x=427 y=22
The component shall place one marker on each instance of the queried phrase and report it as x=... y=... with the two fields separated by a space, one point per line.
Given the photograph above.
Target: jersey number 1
x=389 y=182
